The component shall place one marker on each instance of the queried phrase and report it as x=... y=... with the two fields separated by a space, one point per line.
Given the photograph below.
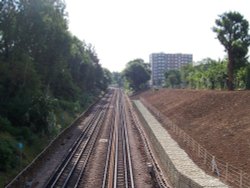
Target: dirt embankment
x=218 y=120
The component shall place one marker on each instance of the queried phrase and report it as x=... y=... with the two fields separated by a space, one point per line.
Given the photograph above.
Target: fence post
x=241 y=178
x=188 y=141
x=214 y=166
x=193 y=144
x=226 y=172
x=205 y=157
x=212 y=162
x=199 y=149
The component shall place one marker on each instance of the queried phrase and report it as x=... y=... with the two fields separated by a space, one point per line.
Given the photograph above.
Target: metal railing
x=223 y=170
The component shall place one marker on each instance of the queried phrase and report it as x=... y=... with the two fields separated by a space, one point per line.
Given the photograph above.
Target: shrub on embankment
x=47 y=77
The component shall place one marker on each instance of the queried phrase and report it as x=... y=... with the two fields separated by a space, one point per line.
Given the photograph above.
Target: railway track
x=155 y=170
x=118 y=170
x=98 y=154
x=118 y=166
x=71 y=170
x=115 y=168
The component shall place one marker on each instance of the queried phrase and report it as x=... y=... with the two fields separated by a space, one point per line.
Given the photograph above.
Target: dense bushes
x=8 y=157
x=47 y=76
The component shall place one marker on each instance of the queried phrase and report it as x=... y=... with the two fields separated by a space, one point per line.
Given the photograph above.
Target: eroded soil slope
x=218 y=120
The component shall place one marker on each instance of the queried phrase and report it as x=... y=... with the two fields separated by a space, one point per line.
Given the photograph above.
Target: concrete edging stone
x=182 y=171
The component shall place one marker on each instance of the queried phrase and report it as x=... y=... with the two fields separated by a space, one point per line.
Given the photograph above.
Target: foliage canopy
x=46 y=74
x=232 y=31
x=137 y=74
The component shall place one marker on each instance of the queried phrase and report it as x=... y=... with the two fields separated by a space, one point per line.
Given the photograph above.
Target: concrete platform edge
x=178 y=178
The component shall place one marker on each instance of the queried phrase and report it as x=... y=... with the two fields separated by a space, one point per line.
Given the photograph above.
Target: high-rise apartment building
x=161 y=62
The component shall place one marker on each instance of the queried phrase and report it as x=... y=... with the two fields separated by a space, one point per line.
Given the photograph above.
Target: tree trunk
x=230 y=72
x=248 y=78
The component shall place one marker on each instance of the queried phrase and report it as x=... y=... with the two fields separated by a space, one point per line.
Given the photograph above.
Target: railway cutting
x=103 y=148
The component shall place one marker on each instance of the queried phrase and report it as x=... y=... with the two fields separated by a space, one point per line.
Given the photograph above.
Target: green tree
x=45 y=72
x=185 y=72
x=207 y=74
x=107 y=79
x=8 y=154
x=42 y=28
x=213 y=73
x=232 y=31
x=173 y=77
x=117 y=79
x=248 y=77
x=8 y=15
x=137 y=74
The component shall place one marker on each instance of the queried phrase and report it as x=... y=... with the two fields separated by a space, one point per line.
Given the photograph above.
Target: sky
x=123 y=30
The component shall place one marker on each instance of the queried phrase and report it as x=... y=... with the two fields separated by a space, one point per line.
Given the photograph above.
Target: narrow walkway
x=183 y=172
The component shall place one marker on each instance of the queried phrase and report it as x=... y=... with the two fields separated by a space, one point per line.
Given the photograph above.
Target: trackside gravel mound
x=218 y=120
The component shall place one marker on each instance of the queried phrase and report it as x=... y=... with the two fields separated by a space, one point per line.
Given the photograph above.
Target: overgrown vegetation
x=47 y=77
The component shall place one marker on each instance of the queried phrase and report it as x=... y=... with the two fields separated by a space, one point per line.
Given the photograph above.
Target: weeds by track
x=70 y=171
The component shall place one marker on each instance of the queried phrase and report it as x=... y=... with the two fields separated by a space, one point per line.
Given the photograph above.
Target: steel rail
x=59 y=172
x=162 y=183
x=116 y=140
x=87 y=148
x=108 y=156
x=83 y=167
x=67 y=159
x=131 y=179
x=118 y=168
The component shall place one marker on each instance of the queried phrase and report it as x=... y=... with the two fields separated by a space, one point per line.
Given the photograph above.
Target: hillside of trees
x=47 y=77
x=207 y=74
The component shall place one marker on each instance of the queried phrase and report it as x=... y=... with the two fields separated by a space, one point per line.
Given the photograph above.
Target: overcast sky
x=123 y=30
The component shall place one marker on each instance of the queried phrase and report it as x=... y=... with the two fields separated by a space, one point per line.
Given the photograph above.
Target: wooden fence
x=226 y=172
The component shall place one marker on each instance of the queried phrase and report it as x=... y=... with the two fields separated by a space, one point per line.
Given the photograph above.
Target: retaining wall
x=181 y=170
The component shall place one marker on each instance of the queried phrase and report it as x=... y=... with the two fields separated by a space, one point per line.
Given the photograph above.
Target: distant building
x=161 y=62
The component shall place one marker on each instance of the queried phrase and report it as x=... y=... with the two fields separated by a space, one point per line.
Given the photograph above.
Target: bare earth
x=218 y=120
